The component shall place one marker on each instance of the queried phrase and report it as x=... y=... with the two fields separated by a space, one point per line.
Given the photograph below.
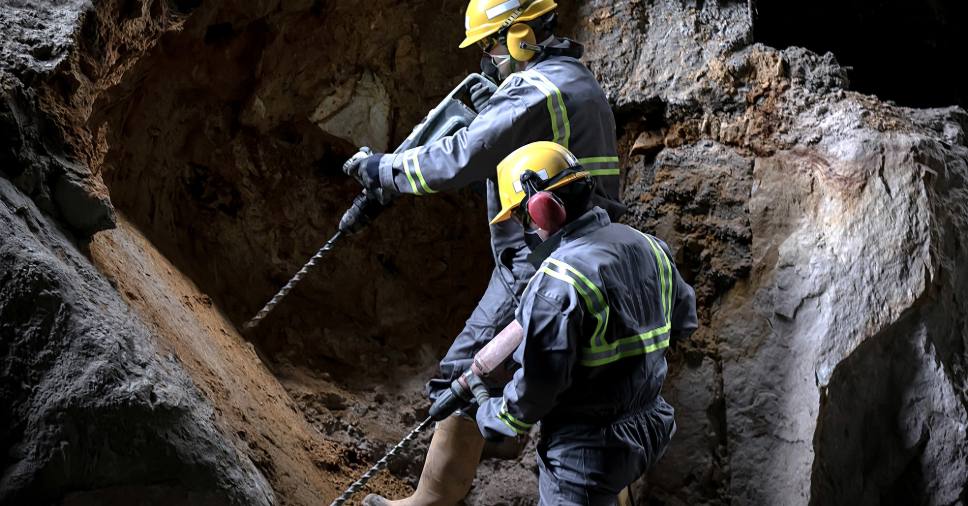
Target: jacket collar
x=559 y=46
x=593 y=219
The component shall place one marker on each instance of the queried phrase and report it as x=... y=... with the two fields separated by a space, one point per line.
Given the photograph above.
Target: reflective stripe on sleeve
x=600 y=165
x=516 y=425
x=411 y=167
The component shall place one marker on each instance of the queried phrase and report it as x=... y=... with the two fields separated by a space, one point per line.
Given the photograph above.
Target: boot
x=625 y=496
x=448 y=472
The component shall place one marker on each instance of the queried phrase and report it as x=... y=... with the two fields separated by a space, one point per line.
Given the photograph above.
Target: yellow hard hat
x=488 y=17
x=546 y=159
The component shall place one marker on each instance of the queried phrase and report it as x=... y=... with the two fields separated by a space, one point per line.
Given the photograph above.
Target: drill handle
x=488 y=361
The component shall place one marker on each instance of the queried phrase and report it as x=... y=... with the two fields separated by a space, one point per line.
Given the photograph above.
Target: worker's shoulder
x=609 y=246
x=560 y=62
x=579 y=258
x=549 y=74
x=564 y=70
x=644 y=241
x=622 y=231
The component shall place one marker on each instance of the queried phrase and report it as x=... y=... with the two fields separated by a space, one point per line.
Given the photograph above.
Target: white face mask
x=503 y=62
x=507 y=67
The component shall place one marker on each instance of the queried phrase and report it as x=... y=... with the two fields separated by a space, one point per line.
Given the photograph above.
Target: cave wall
x=822 y=228
x=92 y=410
x=230 y=162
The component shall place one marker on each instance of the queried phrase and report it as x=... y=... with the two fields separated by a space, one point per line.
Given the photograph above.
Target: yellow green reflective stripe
x=561 y=107
x=610 y=170
x=588 y=283
x=510 y=426
x=636 y=350
x=599 y=310
x=603 y=172
x=414 y=166
x=560 y=126
x=516 y=425
x=647 y=342
x=406 y=170
x=551 y=109
x=665 y=269
x=598 y=159
x=600 y=325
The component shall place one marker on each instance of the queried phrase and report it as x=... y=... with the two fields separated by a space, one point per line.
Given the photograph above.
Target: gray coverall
x=597 y=318
x=555 y=99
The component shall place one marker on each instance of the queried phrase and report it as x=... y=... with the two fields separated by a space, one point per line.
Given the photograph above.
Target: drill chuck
x=457 y=397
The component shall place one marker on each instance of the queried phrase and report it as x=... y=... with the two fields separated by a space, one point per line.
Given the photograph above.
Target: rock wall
x=823 y=229
x=230 y=162
x=94 y=412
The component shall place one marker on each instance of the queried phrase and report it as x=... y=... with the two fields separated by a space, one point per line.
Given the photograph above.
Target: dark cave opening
x=903 y=51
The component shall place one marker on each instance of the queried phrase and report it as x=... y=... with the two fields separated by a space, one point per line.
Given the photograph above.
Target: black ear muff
x=547 y=211
x=522 y=44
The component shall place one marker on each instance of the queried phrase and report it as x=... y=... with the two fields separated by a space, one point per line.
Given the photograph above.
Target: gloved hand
x=364 y=166
x=489 y=434
x=480 y=94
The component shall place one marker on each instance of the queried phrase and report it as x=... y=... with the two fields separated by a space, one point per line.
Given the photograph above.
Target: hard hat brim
x=471 y=39
x=468 y=41
x=505 y=213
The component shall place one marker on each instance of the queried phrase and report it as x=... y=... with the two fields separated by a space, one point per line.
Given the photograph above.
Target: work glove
x=480 y=95
x=485 y=416
x=364 y=166
x=361 y=167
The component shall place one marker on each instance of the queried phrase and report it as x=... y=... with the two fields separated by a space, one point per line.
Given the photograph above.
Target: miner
x=545 y=94
x=597 y=317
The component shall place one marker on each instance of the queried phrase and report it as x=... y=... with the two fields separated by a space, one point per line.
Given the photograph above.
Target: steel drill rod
x=358 y=484
x=292 y=282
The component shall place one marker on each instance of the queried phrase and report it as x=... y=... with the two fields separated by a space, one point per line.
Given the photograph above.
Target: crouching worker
x=597 y=318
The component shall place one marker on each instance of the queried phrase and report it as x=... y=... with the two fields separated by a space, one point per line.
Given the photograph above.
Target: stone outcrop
x=164 y=161
x=93 y=410
x=823 y=231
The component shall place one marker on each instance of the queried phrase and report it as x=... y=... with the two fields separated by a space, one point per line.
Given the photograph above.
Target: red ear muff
x=547 y=211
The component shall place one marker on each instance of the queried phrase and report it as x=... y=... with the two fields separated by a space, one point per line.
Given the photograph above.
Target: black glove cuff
x=371 y=167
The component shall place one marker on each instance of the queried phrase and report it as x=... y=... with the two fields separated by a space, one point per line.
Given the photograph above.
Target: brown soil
x=303 y=466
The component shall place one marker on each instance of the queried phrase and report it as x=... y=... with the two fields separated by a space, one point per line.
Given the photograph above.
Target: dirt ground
x=308 y=457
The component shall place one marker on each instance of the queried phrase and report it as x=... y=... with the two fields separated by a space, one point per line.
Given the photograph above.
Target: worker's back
x=634 y=301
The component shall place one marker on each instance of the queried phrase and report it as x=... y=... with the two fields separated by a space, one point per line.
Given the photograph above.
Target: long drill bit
x=358 y=484
x=292 y=282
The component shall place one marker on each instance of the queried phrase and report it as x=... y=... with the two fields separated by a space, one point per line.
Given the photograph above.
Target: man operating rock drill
x=597 y=318
x=545 y=93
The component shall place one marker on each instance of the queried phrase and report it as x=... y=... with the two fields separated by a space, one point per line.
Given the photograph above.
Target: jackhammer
x=488 y=368
x=449 y=116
